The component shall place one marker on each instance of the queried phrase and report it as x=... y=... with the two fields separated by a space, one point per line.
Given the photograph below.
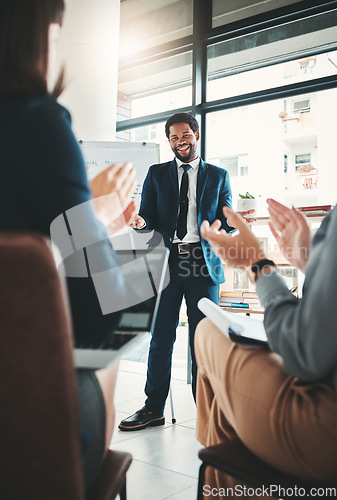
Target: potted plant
x=246 y=202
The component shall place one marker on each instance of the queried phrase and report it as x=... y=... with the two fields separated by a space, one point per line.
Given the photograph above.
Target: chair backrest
x=39 y=421
x=236 y=460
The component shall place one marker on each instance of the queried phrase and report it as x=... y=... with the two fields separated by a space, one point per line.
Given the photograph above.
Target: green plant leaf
x=247 y=196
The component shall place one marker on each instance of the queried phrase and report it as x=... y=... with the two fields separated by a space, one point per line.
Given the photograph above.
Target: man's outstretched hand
x=137 y=222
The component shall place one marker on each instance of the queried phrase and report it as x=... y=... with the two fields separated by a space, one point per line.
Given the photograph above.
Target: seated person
x=44 y=176
x=281 y=403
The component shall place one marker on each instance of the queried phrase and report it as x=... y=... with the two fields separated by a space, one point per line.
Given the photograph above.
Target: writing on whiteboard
x=99 y=155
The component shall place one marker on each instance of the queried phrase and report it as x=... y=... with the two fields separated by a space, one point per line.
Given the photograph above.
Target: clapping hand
x=248 y=212
x=124 y=219
x=111 y=191
x=241 y=249
x=292 y=233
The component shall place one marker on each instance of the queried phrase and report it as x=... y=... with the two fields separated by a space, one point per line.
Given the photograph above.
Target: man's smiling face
x=183 y=142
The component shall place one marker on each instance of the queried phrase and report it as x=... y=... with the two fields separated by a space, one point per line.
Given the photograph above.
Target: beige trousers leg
x=246 y=393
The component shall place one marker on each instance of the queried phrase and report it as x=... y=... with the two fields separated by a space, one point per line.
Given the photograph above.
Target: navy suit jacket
x=160 y=204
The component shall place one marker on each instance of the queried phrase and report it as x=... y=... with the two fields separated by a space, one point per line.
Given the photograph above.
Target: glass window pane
x=229 y=12
x=220 y=87
x=302 y=106
x=290 y=157
x=158 y=86
x=147 y=23
x=231 y=164
x=303 y=159
x=240 y=279
x=240 y=66
x=149 y=133
x=290 y=275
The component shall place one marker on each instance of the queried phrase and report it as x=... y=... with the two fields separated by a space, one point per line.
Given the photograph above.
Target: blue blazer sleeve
x=225 y=199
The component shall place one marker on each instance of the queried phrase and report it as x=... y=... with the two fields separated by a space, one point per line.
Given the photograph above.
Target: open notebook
x=239 y=328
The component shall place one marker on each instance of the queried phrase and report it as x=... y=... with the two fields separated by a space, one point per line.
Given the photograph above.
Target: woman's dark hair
x=24 y=27
x=181 y=118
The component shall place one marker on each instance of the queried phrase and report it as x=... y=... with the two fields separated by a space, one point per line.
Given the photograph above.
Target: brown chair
x=112 y=478
x=234 y=458
x=39 y=422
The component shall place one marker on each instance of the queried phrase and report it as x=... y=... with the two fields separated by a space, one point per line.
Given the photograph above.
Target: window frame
x=204 y=36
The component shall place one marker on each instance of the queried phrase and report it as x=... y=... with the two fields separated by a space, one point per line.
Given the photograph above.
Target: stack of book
x=315 y=209
x=239 y=300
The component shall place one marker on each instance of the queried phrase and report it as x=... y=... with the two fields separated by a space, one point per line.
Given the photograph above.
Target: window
x=302 y=106
x=229 y=73
x=272 y=57
x=290 y=276
x=231 y=165
x=235 y=165
x=154 y=74
x=151 y=133
x=244 y=170
x=262 y=82
x=157 y=86
x=240 y=280
x=301 y=160
x=146 y=134
x=146 y=24
x=225 y=12
x=301 y=176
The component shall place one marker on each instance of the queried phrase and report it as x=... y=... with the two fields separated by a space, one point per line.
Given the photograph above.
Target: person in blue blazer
x=176 y=197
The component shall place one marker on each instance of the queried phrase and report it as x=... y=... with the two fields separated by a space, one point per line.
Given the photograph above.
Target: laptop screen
x=144 y=278
x=142 y=275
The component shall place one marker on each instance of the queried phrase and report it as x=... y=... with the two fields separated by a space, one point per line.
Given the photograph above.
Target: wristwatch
x=258 y=266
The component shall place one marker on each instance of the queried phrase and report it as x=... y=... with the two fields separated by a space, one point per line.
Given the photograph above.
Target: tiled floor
x=165 y=459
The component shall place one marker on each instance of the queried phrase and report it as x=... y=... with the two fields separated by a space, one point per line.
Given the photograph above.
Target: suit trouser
x=243 y=392
x=188 y=277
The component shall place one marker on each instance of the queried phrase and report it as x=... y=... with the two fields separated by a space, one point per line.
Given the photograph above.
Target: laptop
x=145 y=274
x=237 y=327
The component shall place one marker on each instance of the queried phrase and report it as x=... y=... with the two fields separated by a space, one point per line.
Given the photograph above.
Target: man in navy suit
x=177 y=196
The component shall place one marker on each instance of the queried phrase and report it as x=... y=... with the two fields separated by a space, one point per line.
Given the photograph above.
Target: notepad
x=239 y=328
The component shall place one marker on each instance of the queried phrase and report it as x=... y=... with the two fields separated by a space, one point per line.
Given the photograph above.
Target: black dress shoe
x=140 y=420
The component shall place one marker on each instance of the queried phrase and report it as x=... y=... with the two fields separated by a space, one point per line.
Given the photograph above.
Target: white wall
x=327 y=146
x=89 y=47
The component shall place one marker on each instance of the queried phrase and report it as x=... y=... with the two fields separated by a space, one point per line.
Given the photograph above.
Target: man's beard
x=188 y=158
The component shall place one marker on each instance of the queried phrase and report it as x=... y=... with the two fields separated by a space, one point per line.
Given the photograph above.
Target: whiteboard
x=98 y=155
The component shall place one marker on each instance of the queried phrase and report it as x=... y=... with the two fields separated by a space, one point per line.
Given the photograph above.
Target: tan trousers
x=242 y=392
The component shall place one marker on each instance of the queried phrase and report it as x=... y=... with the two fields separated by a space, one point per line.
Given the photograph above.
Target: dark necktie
x=182 y=217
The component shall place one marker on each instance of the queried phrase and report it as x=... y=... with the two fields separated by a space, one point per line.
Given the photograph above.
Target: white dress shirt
x=192 y=235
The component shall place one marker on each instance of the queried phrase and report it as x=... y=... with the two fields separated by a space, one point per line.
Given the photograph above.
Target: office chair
x=234 y=458
x=39 y=422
